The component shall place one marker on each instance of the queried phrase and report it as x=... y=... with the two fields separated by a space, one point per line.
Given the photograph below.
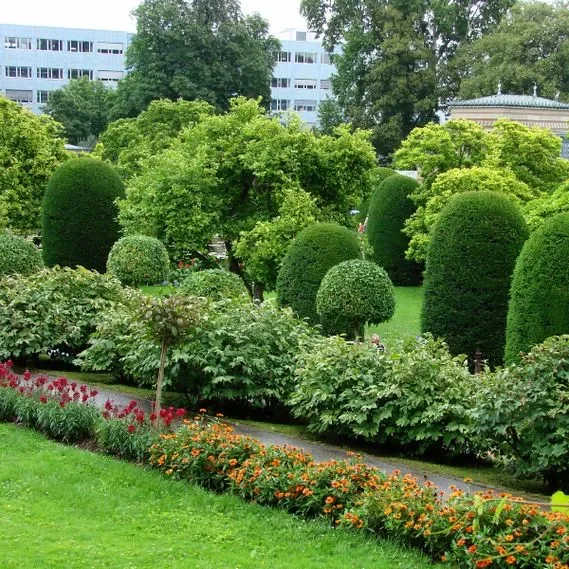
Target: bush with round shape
x=79 y=213
x=539 y=298
x=18 y=256
x=473 y=250
x=377 y=175
x=352 y=294
x=139 y=259
x=390 y=207
x=315 y=250
x=215 y=284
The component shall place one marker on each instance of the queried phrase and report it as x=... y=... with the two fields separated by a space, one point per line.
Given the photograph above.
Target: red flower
x=131 y=428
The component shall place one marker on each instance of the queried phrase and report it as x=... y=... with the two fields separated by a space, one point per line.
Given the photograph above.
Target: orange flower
x=330 y=500
x=461 y=542
x=483 y=563
x=471 y=549
x=510 y=560
x=509 y=537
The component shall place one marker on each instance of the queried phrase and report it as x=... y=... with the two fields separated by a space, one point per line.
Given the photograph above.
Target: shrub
x=539 y=297
x=390 y=207
x=377 y=175
x=79 y=214
x=474 y=246
x=138 y=259
x=215 y=284
x=524 y=412
x=315 y=250
x=352 y=294
x=18 y=256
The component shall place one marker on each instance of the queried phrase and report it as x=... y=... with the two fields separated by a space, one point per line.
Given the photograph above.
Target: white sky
x=115 y=14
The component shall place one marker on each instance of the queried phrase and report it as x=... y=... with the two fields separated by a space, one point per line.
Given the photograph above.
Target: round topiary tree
x=79 y=213
x=139 y=259
x=377 y=175
x=315 y=250
x=18 y=256
x=471 y=257
x=389 y=208
x=352 y=294
x=539 y=297
x=215 y=284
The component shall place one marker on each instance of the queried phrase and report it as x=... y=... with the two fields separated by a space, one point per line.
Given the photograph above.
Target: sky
x=115 y=14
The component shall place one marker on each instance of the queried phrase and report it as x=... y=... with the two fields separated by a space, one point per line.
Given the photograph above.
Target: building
x=34 y=60
x=530 y=110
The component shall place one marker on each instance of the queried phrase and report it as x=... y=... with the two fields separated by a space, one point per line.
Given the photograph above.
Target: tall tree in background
x=394 y=66
x=196 y=49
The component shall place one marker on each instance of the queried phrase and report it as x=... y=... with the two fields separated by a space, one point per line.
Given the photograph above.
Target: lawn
x=65 y=507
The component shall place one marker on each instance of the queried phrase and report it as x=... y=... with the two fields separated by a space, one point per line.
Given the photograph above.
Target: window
x=305 y=105
x=279 y=104
x=109 y=76
x=110 y=48
x=280 y=82
x=21 y=72
x=325 y=84
x=20 y=95
x=43 y=96
x=80 y=46
x=49 y=45
x=300 y=36
x=302 y=57
x=283 y=56
x=325 y=58
x=18 y=43
x=78 y=73
x=49 y=73
x=305 y=83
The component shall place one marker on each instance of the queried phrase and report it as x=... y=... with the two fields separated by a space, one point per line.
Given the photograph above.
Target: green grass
x=157 y=290
x=63 y=507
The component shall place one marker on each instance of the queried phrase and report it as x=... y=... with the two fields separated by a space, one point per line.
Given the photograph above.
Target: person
x=377 y=343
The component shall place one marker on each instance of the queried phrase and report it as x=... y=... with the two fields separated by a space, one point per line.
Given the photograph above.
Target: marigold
x=480 y=564
x=510 y=560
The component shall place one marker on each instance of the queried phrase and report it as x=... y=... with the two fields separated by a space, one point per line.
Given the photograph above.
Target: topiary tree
x=352 y=294
x=309 y=257
x=139 y=259
x=79 y=214
x=474 y=246
x=377 y=175
x=390 y=207
x=215 y=284
x=539 y=297
x=18 y=256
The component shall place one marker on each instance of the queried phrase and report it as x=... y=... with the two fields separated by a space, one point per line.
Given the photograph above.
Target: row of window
x=27 y=96
x=285 y=105
x=300 y=83
x=23 y=72
x=44 y=44
x=303 y=57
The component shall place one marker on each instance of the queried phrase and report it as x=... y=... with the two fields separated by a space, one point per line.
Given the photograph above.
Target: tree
x=392 y=70
x=31 y=148
x=529 y=47
x=539 y=210
x=82 y=107
x=196 y=50
x=330 y=116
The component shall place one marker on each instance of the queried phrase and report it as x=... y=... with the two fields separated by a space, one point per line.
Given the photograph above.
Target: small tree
x=352 y=294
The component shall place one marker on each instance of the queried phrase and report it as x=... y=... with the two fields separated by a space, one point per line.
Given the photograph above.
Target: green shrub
x=18 y=256
x=138 y=259
x=79 y=214
x=315 y=250
x=474 y=246
x=523 y=411
x=377 y=175
x=215 y=284
x=352 y=294
x=390 y=207
x=539 y=298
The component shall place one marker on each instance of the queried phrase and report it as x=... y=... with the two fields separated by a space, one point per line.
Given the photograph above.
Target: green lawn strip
x=157 y=290
x=65 y=507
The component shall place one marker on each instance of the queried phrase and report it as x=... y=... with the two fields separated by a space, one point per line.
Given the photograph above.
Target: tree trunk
x=160 y=382
x=258 y=292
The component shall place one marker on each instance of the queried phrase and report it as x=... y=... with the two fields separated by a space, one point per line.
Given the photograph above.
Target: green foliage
x=18 y=256
x=330 y=115
x=352 y=294
x=113 y=436
x=214 y=284
x=434 y=198
x=415 y=395
x=31 y=147
x=377 y=175
x=522 y=411
x=79 y=213
x=54 y=309
x=539 y=297
x=473 y=249
x=137 y=259
x=539 y=210
x=389 y=208
x=316 y=250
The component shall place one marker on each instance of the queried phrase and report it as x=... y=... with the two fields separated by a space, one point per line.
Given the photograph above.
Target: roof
x=505 y=100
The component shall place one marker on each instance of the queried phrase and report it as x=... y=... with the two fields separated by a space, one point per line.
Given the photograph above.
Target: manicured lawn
x=62 y=507
x=157 y=290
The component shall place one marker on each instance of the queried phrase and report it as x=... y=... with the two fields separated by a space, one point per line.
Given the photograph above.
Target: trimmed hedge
x=79 y=214
x=18 y=256
x=139 y=259
x=473 y=249
x=315 y=250
x=352 y=294
x=390 y=207
x=215 y=284
x=539 y=298
x=377 y=175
